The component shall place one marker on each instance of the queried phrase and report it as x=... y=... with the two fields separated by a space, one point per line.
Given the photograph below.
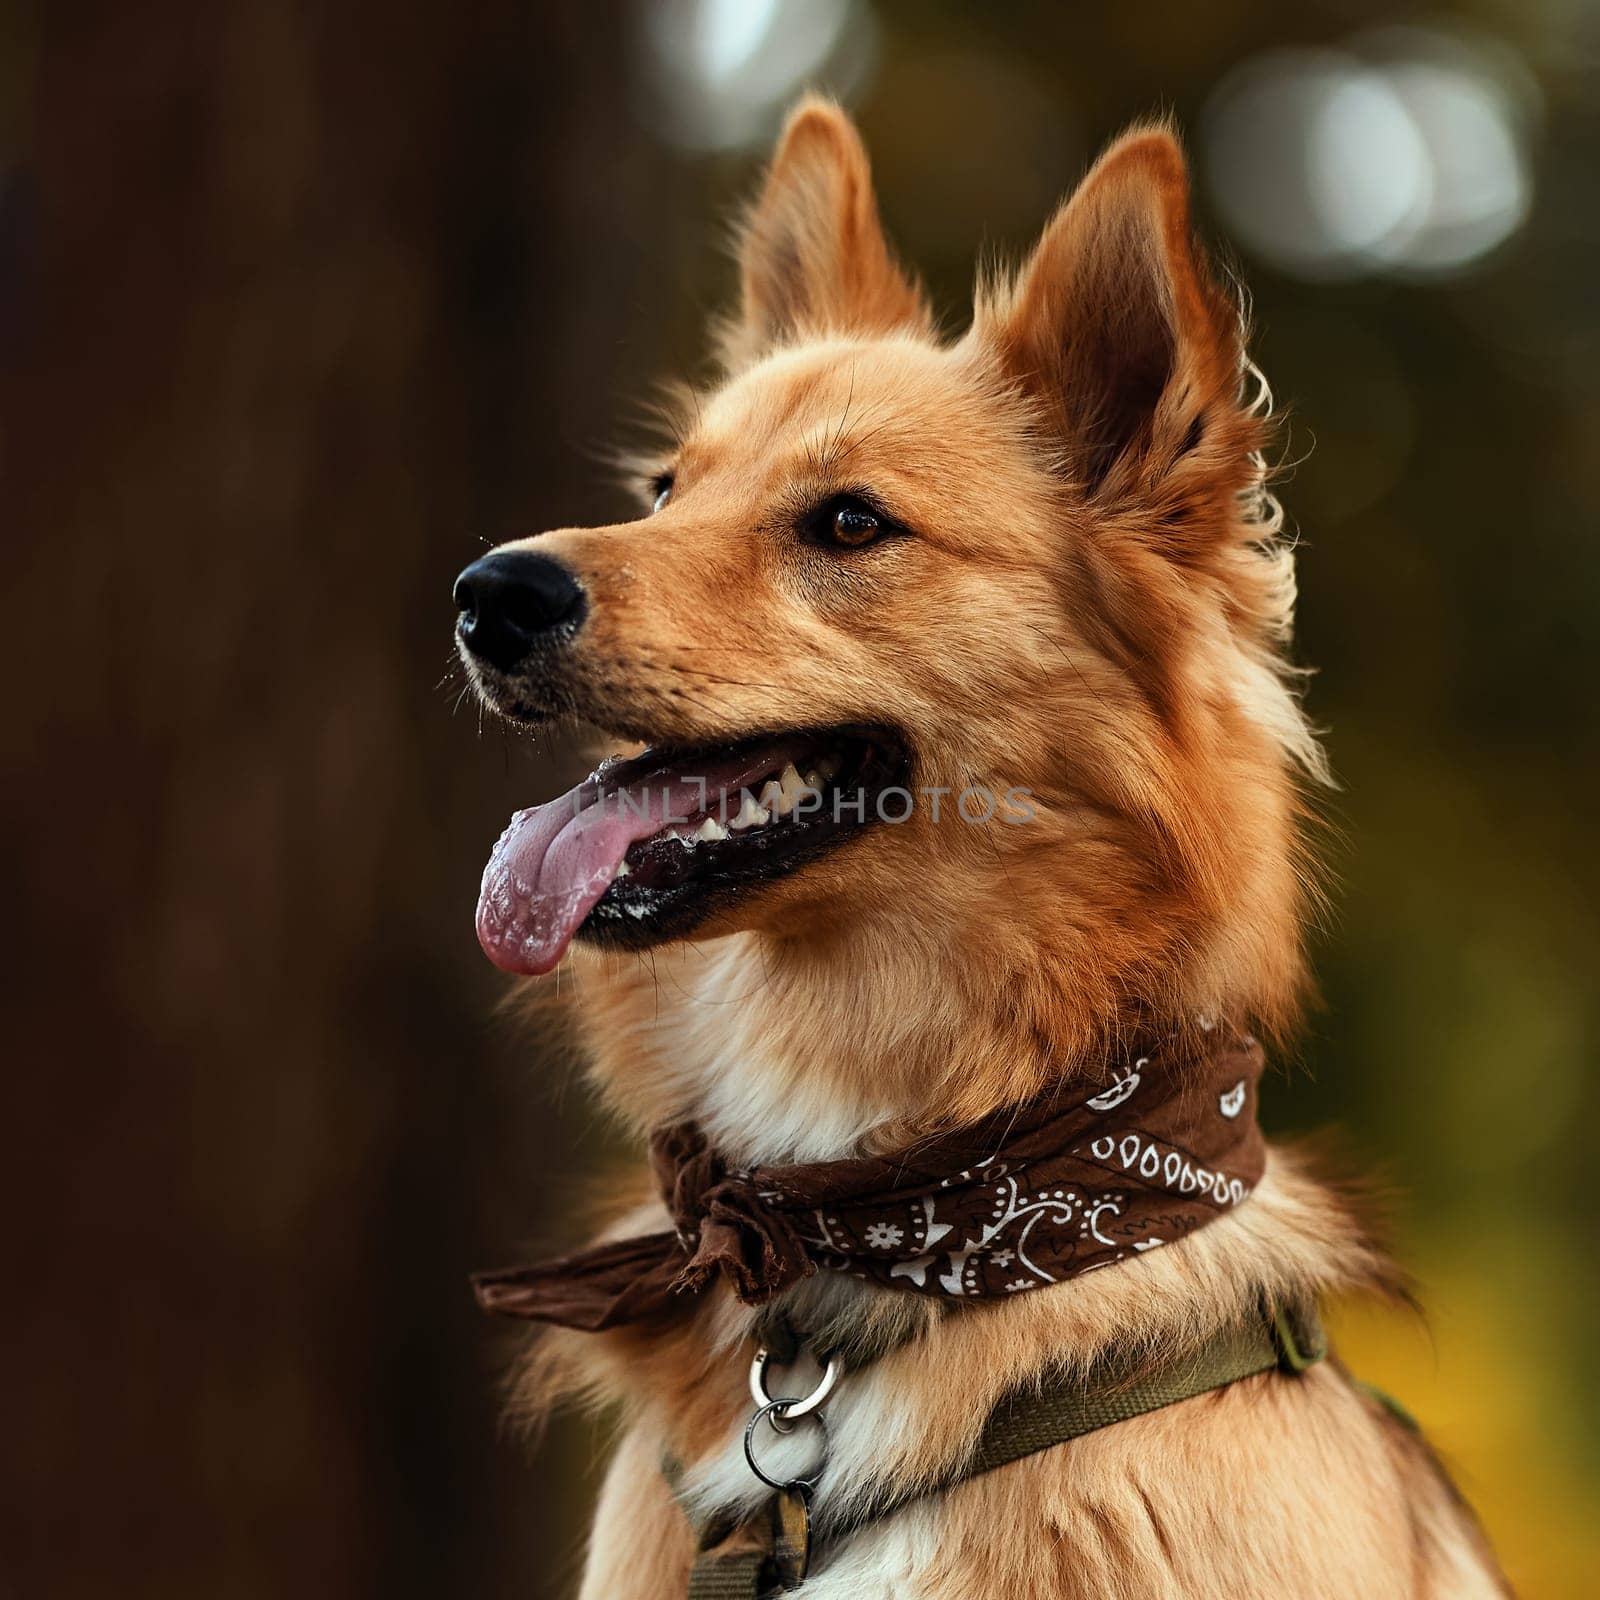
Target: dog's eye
x=851 y=523
x=663 y=490
x=854 y=525
x=847 y=522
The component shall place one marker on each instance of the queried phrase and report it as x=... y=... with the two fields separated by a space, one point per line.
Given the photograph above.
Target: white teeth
x=779 y=797
x=792 y=786
x=623 y=869
x=750 y=814
x=710 y=829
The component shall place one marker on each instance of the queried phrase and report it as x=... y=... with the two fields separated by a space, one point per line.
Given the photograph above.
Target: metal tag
x=791 y=1537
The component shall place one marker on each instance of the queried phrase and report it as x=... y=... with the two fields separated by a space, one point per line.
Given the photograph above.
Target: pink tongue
x=554 y=861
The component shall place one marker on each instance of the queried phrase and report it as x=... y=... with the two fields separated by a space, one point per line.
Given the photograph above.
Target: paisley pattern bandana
x=1031 y=1195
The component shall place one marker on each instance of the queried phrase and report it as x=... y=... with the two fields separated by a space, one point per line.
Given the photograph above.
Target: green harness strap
x=1029 y=1420
x=749 y=1561
x=740 y=1575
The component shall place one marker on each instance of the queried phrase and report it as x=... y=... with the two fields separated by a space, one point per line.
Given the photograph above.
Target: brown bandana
x=1029 y=1196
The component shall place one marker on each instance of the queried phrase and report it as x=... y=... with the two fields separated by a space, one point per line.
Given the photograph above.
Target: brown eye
x=853 y=524
x=848 y=522
x=663 y=489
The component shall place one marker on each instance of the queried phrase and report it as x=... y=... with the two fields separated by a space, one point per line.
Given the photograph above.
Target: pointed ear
x=1116 y=327
x=812 y=255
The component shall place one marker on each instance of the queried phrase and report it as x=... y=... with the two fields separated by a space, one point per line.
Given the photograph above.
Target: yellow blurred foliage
x=1487 y=1378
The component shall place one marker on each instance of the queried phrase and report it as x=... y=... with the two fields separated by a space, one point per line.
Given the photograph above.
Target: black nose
x=511 y=600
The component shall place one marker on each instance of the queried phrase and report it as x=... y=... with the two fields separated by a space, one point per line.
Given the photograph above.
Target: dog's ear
x=812 y=255
x=1120 y=334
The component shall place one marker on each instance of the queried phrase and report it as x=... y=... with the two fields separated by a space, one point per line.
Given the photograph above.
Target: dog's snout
x=513 y=599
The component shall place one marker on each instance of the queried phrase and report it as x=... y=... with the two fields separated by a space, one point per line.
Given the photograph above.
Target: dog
x=1036 y=572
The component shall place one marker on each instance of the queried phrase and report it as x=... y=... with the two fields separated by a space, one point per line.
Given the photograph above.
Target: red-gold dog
x=1021 y=597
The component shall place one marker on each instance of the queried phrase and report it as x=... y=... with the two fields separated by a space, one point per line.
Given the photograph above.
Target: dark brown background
x=302 y=303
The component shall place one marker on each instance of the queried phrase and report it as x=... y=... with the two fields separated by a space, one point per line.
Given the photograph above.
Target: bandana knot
x=723 y=1221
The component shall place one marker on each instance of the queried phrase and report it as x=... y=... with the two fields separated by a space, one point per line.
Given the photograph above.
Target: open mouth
x=644 y=849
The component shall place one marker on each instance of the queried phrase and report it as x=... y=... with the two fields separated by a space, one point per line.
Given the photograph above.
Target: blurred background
x=300 y=305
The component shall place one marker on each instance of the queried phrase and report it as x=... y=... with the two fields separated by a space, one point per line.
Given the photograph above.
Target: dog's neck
x=806 y=1050
x=783 y=1053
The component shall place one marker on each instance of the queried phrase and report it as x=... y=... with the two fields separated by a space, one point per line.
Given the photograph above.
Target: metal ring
x=807 y=1483
x=798 y=1406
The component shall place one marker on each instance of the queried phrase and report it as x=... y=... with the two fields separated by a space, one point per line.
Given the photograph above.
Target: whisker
x=668 y=664
x=860 y=440
x=832 y=444
x=1061 y=650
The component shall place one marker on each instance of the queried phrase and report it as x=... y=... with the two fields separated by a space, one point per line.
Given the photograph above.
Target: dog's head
x=971 y=640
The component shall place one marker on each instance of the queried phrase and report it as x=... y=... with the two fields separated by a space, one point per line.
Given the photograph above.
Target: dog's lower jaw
x=1278 y=1486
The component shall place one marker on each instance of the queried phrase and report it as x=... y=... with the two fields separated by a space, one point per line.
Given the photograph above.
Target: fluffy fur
x=1093 y=604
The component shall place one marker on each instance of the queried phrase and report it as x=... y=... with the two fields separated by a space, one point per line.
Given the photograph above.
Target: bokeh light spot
x=1368 y=170
x=718 y=73
x=1402 y=154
